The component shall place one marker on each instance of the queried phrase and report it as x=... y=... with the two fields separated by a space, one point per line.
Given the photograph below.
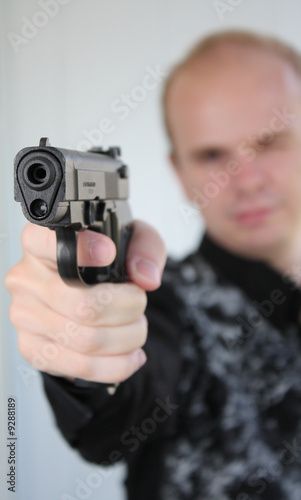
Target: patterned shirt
x=215 y=414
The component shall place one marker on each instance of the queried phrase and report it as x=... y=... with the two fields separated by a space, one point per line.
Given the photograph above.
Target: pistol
x=69 y=191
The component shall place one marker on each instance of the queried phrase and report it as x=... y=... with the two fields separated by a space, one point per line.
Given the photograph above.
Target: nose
x=251 y=176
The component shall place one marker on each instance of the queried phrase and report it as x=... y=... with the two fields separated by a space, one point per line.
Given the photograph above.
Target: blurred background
x=67 y=68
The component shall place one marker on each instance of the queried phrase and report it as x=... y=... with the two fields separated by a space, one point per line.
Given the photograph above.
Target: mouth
x=253 y=217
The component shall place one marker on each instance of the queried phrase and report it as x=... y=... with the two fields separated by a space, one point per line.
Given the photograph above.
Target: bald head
x=230 y=58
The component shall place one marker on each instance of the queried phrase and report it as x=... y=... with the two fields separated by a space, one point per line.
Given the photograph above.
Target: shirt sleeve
x=99 y=424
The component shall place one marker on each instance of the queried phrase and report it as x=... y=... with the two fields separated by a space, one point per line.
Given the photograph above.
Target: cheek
x=284 y=172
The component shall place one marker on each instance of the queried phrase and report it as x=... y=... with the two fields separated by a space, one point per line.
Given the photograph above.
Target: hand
x=94 y=333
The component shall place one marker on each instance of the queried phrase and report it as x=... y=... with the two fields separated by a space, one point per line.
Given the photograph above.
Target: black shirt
x=259 y=281
x=216 y=411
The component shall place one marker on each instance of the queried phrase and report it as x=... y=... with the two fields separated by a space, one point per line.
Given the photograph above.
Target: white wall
x=60 y=81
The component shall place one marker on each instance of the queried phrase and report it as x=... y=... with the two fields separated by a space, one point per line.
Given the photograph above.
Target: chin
x=261 y=245
x=254 y=242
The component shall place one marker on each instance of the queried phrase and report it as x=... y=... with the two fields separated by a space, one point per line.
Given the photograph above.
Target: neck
x=287 y=261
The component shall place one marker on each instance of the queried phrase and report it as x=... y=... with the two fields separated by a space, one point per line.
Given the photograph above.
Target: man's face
x=236 y=128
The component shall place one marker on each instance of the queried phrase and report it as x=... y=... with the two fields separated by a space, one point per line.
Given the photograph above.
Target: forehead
x=231 y=93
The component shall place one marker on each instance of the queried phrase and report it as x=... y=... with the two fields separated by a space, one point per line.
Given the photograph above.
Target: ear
x=180 y=173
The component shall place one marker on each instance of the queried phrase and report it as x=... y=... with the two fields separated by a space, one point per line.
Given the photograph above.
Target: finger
x=95 y=341
x=60 y=361
x=93 y=249
x=106 y=304
x=102 y=341
x=146 y=256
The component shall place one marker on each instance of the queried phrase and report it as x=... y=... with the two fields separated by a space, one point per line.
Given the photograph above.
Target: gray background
x=60 y=80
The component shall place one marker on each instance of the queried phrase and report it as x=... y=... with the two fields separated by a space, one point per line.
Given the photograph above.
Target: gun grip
x=68 y=267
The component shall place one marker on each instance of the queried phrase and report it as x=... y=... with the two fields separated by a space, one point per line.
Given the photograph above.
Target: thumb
x=146 y=256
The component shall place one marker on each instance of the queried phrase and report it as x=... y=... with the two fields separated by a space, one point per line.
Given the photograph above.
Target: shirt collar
x=259 y=281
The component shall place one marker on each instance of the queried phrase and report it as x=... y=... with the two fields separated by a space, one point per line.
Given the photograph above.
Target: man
x=215 y=412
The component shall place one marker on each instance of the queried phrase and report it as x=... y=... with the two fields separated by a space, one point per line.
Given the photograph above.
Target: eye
x=266 y=140
x=210 y=156
x=274 y=141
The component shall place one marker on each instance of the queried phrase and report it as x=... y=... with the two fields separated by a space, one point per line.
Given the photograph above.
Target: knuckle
x=12 y=278
x=18 y=314
x=87 y=340
x=8 y=280
x=19 y=278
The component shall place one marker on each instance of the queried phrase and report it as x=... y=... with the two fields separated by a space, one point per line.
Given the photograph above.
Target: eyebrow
x=202 y=151
x=278 y=134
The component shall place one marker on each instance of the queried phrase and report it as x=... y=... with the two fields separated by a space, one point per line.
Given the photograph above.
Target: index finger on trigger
x=93 y=249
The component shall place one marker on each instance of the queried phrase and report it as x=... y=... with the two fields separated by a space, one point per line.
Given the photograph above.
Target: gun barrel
x=37 y=174
x=49 y=179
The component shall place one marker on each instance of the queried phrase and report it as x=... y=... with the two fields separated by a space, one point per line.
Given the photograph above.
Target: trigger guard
x=68 y=268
